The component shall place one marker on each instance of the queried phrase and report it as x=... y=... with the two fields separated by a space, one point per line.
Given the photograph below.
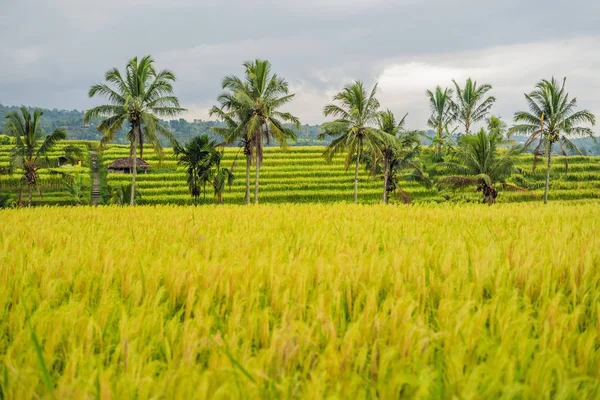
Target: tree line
x=251 y=116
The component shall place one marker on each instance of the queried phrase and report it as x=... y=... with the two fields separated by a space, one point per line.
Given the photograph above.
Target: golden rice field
x=301 y=301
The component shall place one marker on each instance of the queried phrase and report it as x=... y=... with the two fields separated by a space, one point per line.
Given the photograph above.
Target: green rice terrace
x=292 y=175
x=51 y=182
x=301 y=174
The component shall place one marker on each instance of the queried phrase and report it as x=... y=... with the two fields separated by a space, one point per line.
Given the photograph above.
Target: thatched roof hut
x=125 y=165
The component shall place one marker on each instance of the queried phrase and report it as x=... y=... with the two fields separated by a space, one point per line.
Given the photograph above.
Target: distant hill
x=72 y=121
x=184 y=131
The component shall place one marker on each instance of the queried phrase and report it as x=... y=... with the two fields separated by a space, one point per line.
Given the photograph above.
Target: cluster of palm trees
x=551 y=119
x=365 y=133
x=250 y=111
x=202 y=159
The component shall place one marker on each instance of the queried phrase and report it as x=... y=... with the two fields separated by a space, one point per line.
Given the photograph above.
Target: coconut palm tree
x=470 y=105
x=440 y=103
x=138 y=98
x=255 y=102
x=31 y=145
x=479 y=163
x=234 y=131
x=397 y=152
x=495 y=124
x=551 y=118
x=355 y=129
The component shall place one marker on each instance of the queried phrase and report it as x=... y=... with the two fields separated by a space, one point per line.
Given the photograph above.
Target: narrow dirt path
x=96 y=179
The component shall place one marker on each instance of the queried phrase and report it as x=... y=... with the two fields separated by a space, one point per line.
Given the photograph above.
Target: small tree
x=193 y=156
x=31 y=145
x=120 y=195
x=480 y=163
x=213 y=172
x=202 y=158
x=74 y=185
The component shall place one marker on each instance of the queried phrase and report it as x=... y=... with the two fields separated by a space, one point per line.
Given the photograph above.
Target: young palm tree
x=495 y=124
x=256 y=101
x=470 y=105
x=214 y=173
x=193 y=156
x=76 y=188
x=440 y=103
x=481 y=164
x=397 y=152
x=120 y=195
x=355 y=129
x=31 y=144
x=550 y=119
x=138 y=98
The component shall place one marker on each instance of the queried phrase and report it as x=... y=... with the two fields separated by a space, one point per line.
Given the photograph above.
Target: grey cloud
x=53 y=50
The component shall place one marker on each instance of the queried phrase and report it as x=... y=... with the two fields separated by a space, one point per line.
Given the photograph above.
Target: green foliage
x=552 y=118
x=355 y=128
x=75 y=187
x=470 y=105
x=442 y=115
x=202 y=161
x=120 y=195
x=480 y=162
x=31 y=144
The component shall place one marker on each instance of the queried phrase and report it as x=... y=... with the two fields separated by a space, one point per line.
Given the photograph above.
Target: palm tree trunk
x=29 y=196
x=248 y=162
x=549 y=155
x=141 y=145
x=256 y=183
x=438 y=149
x=134 y=166
x=386 y=173
x=356 y=173
x=259 y=153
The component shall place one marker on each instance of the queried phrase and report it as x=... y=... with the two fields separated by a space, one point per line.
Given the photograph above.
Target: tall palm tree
x=552 y=118
x=479 y=163
x=138 y=98
x=471 y=106
x=255 y=102
x=440 y=103
x=235 y=131
x=397 y=152
x=355 y=128
x=31 y=144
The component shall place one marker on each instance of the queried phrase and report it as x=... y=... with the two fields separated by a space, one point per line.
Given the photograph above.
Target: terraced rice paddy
x=300 y=174
x=301 y=301
x=50 y=182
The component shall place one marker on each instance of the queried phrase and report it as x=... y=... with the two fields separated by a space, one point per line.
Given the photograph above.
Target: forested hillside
x=72 y=120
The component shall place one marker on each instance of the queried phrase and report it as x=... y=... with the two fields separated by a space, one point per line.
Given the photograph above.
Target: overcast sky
x=51 y=51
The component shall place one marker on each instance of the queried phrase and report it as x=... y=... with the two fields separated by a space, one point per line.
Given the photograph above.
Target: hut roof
x=125 y=163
